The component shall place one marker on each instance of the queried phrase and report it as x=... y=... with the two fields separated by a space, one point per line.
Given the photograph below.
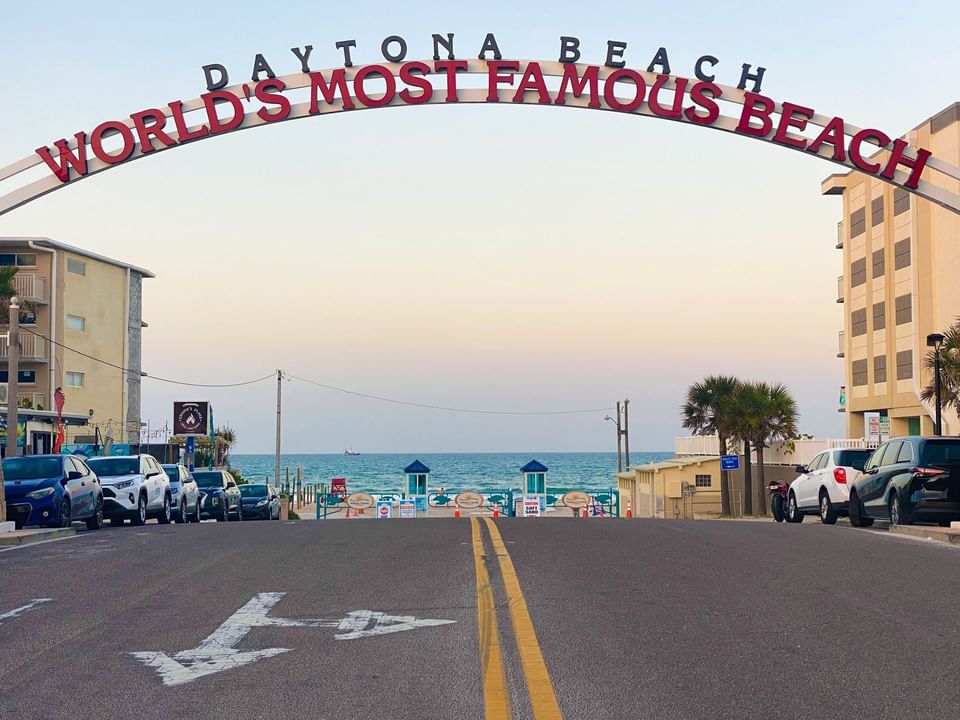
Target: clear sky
x=515 y=258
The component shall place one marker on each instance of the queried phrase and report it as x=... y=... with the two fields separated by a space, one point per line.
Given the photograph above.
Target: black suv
x=907 y=480
x=219 y=497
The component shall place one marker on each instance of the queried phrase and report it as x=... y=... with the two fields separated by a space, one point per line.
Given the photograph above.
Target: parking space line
x=496 y=700
x=543 y=699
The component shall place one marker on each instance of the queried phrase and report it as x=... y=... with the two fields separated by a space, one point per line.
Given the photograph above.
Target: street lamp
x=935 y=340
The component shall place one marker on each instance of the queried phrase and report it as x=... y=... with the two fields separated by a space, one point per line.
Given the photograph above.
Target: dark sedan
x=219 y=497
x=914 y=479
x=260 y=502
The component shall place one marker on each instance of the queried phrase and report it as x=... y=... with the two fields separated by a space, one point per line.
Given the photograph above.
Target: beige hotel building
x=86 y=302
x=900 y=282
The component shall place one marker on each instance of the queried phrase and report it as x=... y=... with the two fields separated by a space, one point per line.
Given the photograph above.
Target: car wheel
x=196 y=515
x=166 y=514
x=896 y=511
x=96 y=522
x=140 y=515
x=778 y=513
x=63 y=516
x=857 y=518
x=182 y=512
x=224 y=516
x=793 y=512
x=828 y=515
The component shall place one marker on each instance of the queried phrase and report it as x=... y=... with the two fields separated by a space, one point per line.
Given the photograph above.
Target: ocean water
x=483 y=472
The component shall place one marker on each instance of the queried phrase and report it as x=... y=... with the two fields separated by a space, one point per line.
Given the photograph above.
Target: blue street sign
x=730 y=462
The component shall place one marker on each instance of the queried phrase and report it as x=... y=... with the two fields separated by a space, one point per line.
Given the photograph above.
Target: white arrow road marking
x=10 y=614
x=218 y=651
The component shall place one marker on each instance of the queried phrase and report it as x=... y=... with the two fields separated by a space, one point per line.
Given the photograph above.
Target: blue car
x=52 y=490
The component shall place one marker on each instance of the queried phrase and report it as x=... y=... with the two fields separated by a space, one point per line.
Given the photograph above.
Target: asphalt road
x=632 y=619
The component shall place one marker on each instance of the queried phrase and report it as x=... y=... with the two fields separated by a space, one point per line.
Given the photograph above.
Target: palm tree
x=7 y=290
x=706 y=412
x=225 y=438
x=949 y=370
x=761 y=413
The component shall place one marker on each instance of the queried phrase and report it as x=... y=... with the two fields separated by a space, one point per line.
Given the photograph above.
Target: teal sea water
x=483 y=472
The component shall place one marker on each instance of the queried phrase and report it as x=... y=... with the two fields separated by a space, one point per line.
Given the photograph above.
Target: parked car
x=52 y=490
x=823 y=486
x=184 y=494
x=908 y=480
x=260 y=501
x=134 y=487
x=220 y=499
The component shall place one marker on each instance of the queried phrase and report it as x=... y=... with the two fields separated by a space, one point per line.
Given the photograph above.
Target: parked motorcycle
x=778 y=499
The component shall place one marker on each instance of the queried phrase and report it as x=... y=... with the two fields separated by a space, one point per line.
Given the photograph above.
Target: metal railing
x=31 y=347
x=30 y=287
x=840 y=289
x=843 y=344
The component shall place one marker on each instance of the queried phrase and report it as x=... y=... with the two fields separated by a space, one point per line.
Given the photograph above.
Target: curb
x=946 y=535
x=33 y=536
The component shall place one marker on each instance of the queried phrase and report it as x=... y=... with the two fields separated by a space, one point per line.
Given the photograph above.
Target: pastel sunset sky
x=486 y=257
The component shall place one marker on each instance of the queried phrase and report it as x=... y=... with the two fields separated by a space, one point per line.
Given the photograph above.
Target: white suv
x=824 y=485
x=134 y=487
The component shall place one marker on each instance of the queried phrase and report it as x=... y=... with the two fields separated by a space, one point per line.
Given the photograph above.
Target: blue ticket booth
x=418 y=479
x=535 y=482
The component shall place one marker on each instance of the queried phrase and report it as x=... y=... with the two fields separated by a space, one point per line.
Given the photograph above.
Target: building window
x=859 y=368
x=28 y=317
x=876 y=211
x=19 y=259
x=79 y=267
x=858 y=322
x=858 y=272
x=703 y=481
x=879 y=315
x=24 y=377
x=75 y=379
x=901 y=254
x=858 y=222
x=904 y=309
x=76 y=322
x=880 y=369
x=905 y=365
x=901 y=201
x=878 y=265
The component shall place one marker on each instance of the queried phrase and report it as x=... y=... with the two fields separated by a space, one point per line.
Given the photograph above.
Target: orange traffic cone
x=496 y=512
x=456 y=513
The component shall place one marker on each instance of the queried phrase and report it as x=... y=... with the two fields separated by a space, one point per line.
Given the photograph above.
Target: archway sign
x=267 y=99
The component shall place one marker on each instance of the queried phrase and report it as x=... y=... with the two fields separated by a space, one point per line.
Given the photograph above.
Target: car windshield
x=208 y=479
x=109 y=467
x=855 y=459
x=30 y=468
x=933 y=452
x=253 y=490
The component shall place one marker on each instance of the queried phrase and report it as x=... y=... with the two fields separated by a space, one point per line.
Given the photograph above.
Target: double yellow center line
x=496 y=699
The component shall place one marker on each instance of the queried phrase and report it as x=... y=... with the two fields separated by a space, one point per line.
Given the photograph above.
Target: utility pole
x=276 y=455
x=13 y=375
x=626 y=431
x=619 y=438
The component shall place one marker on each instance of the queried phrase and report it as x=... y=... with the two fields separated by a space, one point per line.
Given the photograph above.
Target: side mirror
x=231 y=483
x=800 y=469
x=873 y=471
x=74 y=475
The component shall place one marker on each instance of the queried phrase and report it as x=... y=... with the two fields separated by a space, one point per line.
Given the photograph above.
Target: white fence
x=792 y=452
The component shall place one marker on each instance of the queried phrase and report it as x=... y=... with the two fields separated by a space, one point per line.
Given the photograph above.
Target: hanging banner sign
x=576 y=499
x=359 y=501
x=191 y=418
x=469 y=500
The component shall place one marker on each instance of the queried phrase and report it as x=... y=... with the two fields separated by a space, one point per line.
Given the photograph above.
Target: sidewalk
x=33 y=535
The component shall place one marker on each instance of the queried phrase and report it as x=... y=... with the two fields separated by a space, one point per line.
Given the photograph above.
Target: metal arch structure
x=335 y=90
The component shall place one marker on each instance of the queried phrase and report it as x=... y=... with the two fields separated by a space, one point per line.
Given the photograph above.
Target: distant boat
x=351 y=452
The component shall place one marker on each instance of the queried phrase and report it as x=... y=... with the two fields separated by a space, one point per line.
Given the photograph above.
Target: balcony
x=840 y=235
x=843 y=344
x=27 y=400
x=840 y=289
x=32 y=348
x=31 y=287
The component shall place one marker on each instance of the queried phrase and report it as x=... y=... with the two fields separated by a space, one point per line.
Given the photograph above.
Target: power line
x=442 y=407
x=142 y=373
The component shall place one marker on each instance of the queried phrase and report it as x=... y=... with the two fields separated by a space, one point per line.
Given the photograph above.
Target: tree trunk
x=761 y=485
x=724 y=480
x=747 y=480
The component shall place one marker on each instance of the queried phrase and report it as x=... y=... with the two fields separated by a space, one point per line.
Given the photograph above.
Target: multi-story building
x=88 y=306
x=901 y=264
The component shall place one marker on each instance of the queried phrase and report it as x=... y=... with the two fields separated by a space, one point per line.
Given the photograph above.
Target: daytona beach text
x=611 y=87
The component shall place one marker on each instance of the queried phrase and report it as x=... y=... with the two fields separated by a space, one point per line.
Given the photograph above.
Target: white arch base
x=633 y=92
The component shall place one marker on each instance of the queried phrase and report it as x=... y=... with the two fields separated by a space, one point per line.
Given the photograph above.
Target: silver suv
x=134 y=487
